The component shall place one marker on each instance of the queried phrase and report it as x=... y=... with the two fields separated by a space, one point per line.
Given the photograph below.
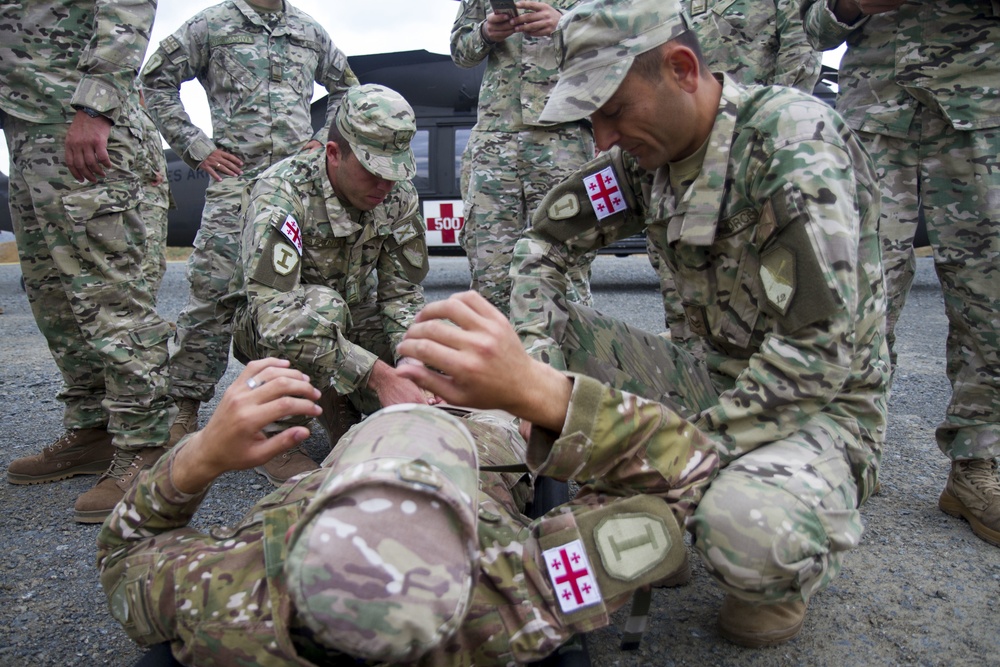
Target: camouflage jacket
x=520 y=71
x=756 y=42
x=774 y=251
x=220 y=598
x=939 y=54
x=55 y=54
x=258 y=79
x=341 y=256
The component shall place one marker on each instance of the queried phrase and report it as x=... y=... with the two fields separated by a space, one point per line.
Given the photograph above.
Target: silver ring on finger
x=253 y=383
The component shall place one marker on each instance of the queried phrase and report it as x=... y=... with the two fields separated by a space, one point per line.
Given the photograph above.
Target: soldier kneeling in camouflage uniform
x=332 y=256
x=764 y=206
x=396 y=550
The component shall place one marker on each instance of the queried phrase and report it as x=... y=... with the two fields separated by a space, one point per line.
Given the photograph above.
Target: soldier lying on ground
x=395 y=549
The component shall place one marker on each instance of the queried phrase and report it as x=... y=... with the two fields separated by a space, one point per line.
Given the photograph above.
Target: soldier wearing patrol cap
x=403 y=548
x=332 y=258
x=764 y=206
x=257 y=62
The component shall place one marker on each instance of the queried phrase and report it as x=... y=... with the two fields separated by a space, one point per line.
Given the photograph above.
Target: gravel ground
x=920 y=590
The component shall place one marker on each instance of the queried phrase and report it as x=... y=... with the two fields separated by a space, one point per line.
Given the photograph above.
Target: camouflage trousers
x=314 y=354
x=204 y=326
x=952 y=178
x=81 y=248
x=153 y=210
x=509 y=173
x=776 y=523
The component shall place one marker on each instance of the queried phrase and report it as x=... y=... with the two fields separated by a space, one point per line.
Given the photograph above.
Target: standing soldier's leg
x=960 y=179
x=95 y=238
x=204 y=326
x=494 y=214
x=896 y=162
x=153 y=211
x=547 y=157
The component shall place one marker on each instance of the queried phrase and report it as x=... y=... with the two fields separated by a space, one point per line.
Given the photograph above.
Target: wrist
x=483 y=35
x=846 y=11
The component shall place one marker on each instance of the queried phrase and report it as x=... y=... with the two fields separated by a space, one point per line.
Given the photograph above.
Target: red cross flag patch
x=605 y=195
x=572 y=579
x=290 y=230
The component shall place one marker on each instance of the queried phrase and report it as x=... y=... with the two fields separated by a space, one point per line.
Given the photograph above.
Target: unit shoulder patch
x=564 y=208
x=777 y=277
x=284 y=259
x=632 y=544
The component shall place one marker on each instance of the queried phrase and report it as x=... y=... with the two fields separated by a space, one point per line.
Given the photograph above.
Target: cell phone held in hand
x=504 y=7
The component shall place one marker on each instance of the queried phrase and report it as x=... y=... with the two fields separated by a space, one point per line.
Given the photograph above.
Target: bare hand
x=311 y=145
x=157 y=178
x=87 y=147
x=393 y=388
x=497 y=28
x=482 y=363
x=233 y=439
x=536 y=19
x=220 y=163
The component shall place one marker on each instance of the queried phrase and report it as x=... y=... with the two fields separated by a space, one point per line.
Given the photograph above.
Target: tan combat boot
x=339 y=415
x=186 y=421
x=85 y=451
x=95 y=505
x=973 y=493
x=760 y=625
x=286 y=465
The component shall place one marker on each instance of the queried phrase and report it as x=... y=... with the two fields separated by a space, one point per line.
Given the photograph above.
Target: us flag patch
x=572 y=579
x=290 y=230
x=605 y=195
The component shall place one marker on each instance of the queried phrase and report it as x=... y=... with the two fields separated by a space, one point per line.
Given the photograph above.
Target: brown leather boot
x=973 y=493
x=760 y=625
x=85 y=451
x=339 y=415
x=95 y=505
x=286 y=465
x=186 y=421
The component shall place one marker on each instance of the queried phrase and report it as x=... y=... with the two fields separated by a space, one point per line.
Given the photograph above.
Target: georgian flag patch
x=290 y=230
x=572 y=579
x=605 y=195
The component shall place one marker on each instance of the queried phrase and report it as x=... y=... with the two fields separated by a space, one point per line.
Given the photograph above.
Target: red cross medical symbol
x=447 y=231
x=571 y=576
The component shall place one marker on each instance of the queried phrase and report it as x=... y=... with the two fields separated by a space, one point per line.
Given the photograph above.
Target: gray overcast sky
x=357 y=27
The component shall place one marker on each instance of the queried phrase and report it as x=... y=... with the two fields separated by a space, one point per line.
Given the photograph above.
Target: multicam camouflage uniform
x=257 y=72
x=163 y=584
x=774 y=248
x=755 y=43
x=348 y=298
x=921 y=86
x=155 y=204
x=81 y=244
x=514 y=158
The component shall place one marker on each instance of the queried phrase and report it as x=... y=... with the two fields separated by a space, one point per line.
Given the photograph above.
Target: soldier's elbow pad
x=588 y=204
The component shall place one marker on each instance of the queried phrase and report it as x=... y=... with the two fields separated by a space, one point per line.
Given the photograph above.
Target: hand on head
x=480 y=362
x=233 y=439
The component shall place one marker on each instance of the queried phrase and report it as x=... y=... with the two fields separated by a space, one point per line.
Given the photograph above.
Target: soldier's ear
x=333 y=154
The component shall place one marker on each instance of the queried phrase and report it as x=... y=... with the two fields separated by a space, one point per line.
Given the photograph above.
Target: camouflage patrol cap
x=597 y=42
x=379 y=124
x=383 y=562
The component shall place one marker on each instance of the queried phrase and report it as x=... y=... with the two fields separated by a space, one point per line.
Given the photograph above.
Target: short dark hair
x=647 y=64
x=336 y=137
